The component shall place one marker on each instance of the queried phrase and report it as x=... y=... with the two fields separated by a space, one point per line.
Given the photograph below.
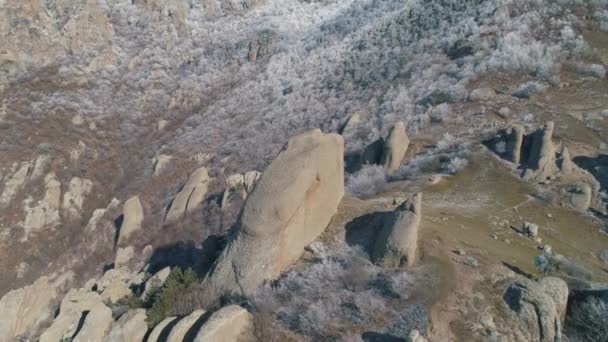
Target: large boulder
x=226 y=325
x=26 y=310
x=130 y=327
x=160 y=329
x=133 y=217
x=191 y=196
x=397 y=243
x=183 y=327
x=515 y=138
x=395 y=147
x=81 y=304
x=291 y=205
x=155 y=281
x=536 y=309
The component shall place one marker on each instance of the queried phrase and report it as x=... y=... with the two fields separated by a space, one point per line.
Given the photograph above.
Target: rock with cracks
x=291 y=205
x=397 y=243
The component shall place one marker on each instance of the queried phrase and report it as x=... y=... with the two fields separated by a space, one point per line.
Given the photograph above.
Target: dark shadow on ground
x=186 y=254
x=363 y=230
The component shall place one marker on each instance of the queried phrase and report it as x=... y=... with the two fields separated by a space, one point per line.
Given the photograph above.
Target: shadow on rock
x=186 y=254
x=363 y=230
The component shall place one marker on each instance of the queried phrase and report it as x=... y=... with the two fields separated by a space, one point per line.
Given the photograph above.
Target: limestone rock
x=395 y=148
x=25 y=310
x=46 y=211
x=536 y=308
x=397 y=242
x=75 y=305
x=225 y=325
x=160 y=328
x=290 y=206
x=130 y=327
x=179 y=331
x=156 y=281
x=515 y=137
x=579 y=196
x=191 y=196
x=160 y=163
x=133 y=216
x=541 y=164
x=16 y=181
x=74 y=198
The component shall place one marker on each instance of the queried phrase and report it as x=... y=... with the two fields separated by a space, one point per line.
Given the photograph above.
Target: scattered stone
x=549 y=215
x=531 y=229
x=547 y=249
x=507 y=241
x=504 y=112
x=460 y=252
x=290 y=206
x=536 y=308
x=397 y=243
x=77 y=120
x=159 y=328
x=162 y=124
x=191 y=196
x=133 y=216
x=130 y=327
x=25 y=310
x=538 y=241
x=494 y=236
x=226 y=325
x=160 y=163
x=179 y=331
x=415 y=336
x=395 y=148
x=97 y=320
x=471 y=261
x=123 y=257
x=482 y=94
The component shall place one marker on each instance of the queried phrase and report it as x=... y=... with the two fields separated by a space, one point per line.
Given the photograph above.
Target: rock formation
x=26 y=310
x=351 y=124
x=80 y=304
x=579 y=196
x=16 y=181
x=395 y=148
x=130 y=327
x=515 y=138
x=397 y=242
x=155 y=281
x=46 y=211
x=190 y=196
x=226 y=325
x=158 y=330
x=74 y=197
x=239 y=186
x=531 y=229
x=133 y=216
x=179 y=331
x=123 y=257
x=541 y=164
x=290 y=206
x=160 y=163
x=536 y=308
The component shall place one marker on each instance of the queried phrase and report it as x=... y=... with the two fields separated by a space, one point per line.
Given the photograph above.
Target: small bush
x=546 y=263
x=166 y=301
x=590 y=320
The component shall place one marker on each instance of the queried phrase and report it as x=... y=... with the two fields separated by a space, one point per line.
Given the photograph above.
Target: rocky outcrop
x=395 y=148
x=74 y=198
x=85 y=305
x=251 y=178
x=541 y=163
x=26 y=310
x=515 y=138
x=190 y=197
x=351 y=124
x=158 y=330
x=397 y=242
x=130 y=327
x=46 y=212
x=14 y=183
x=123 y=257
x=179 y=331
x=290 y=206
x=537 y=309
x=132 y=218
x=226 y=325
